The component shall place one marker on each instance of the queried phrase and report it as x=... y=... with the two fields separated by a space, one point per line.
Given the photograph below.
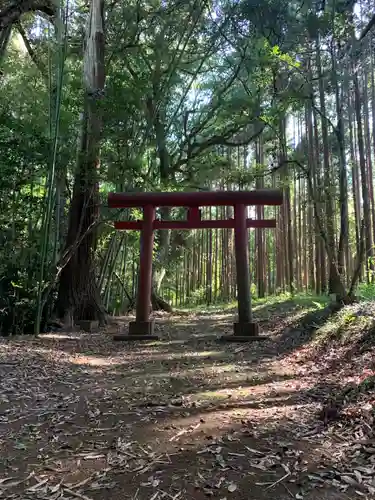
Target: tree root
x=159 y=304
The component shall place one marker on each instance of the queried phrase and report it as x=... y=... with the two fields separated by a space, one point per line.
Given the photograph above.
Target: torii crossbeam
x=142 y=328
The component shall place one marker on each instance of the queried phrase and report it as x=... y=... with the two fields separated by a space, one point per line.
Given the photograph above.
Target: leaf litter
x=82 y=418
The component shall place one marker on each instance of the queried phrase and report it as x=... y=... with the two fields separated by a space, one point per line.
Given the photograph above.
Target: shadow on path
x=186 y=418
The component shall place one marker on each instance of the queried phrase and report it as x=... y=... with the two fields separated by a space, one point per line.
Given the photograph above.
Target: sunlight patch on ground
x=61 y=336
x=164 y=356
x=5 y=346
x=59 y=356
x=249 y=392
x=217 y=320
x=50 y=353
x=76 y=470
x=93 y=360
x=215 y=369
x=148 y=355
x=194 y=429
x=222 y=316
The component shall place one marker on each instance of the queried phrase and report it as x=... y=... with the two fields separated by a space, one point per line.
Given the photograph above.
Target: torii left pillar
x=143 y=327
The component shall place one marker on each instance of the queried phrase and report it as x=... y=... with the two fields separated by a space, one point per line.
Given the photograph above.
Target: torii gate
x=142 y=328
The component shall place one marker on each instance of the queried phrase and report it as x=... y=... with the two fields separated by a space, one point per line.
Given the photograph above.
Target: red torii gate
x=142 y=328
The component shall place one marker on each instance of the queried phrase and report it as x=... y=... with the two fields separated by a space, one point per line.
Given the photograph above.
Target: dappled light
x=100 y=416
x=61 y=336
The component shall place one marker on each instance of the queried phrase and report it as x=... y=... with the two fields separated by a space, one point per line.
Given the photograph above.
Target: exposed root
x=159 y=304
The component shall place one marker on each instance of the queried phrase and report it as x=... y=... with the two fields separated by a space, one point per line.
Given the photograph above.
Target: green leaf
x=14 y=285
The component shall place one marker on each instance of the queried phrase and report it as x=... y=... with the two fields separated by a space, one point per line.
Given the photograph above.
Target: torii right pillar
x=245 y=330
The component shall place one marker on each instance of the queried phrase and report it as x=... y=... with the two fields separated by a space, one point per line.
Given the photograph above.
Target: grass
x=347 y=325
x=353 y=323
x=308 y=301
x=366 y=292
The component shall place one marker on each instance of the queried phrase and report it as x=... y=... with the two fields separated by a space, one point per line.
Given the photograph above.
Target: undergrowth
x=366 y=292
x=300 y=300
x=352 y=323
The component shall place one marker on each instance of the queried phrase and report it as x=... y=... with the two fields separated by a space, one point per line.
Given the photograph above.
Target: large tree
x=78 y=294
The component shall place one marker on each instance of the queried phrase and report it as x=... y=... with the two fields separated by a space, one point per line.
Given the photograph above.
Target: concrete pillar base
x=138 y=330
x=243 y=329
x=141 y=328
x=123 y=337
x=244 y=332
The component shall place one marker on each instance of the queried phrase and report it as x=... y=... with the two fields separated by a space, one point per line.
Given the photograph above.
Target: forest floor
x=188 y=417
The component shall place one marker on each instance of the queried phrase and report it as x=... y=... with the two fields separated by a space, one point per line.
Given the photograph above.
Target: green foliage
x=366 y=291
x=348 y=318
x=368 y=384
x=197 y=296
x=17 y=302
x=190 y=89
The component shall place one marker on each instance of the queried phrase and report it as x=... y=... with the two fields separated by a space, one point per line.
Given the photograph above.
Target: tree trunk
x=367 y=134
x=260 y=233
x=314 y=282
x=334 y=282
x=4 y=40
x=286 y=210
x=372 y=69
x=156 y=117
x=355 y=177
x=362 y=165
x=78 y=294
x=343 y=247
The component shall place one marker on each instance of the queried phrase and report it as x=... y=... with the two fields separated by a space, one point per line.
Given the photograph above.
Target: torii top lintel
x=196 y=199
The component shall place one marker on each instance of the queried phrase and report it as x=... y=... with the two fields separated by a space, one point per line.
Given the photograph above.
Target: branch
x=16 y=9
x=215 y=140
x=31 y=52
x=178 y=54
x=218 y=140
x=215 y=106
x=193 y=77
x=369 y=27
x=130 y=299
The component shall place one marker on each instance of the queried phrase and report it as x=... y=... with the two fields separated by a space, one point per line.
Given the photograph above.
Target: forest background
x=146 y=95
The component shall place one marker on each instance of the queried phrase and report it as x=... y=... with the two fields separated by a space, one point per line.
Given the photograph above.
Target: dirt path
x=82 y=417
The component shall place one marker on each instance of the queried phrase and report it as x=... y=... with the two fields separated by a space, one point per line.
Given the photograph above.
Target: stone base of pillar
x=244 y=332
x=138 y=330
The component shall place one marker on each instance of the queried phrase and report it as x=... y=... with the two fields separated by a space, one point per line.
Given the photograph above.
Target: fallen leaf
x=20 y=446
x=232 y=487
x=349 y=480
x=358 y=475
